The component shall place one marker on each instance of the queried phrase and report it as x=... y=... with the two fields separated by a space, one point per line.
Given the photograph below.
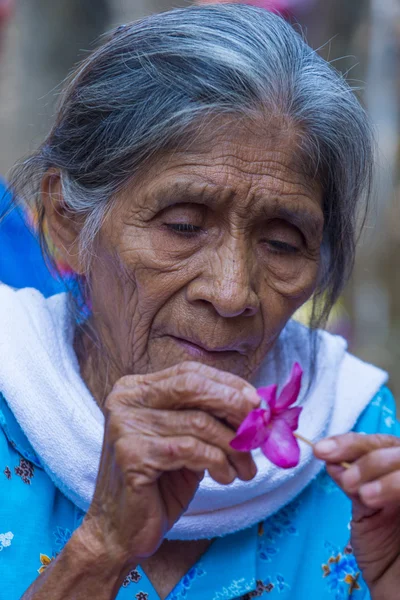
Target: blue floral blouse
x=300 y=553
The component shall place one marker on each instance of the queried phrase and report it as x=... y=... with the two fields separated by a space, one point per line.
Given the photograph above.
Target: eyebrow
x=210 y=194
x=201 y=192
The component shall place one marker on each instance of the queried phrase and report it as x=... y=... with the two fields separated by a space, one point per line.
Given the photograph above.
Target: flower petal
x=268 y=394
x=281 y=447
x=291 y=390
x=291 y=417
x=253 y=431
x=258 y=417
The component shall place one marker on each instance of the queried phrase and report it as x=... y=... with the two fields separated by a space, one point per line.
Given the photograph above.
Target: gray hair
x=152 y=80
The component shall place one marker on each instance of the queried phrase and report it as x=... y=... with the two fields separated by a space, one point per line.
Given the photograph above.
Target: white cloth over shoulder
x=41 y=381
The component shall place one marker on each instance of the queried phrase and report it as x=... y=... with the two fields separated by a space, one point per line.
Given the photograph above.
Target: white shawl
x=40 y=379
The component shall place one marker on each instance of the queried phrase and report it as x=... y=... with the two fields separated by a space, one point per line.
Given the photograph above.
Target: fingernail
x=351 y=478
x=369 y=491
x=326 y=447
x=251 y=395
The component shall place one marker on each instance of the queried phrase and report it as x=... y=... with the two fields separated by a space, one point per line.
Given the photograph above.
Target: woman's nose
x=227 y=286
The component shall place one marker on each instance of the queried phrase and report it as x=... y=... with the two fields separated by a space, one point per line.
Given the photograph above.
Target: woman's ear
x=63 y=226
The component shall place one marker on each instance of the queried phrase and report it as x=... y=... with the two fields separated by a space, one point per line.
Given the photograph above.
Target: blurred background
x=41 y=40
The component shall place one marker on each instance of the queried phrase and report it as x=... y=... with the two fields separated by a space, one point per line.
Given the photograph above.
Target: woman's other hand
x=162 y=432
x=373 y=484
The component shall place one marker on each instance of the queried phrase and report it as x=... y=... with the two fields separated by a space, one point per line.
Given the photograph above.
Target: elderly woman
x=201 y=181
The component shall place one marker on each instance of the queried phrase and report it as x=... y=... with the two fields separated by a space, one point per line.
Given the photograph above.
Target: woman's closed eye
x=282 y=238
x=281 y=247
x=184 y=220
x=183 y=228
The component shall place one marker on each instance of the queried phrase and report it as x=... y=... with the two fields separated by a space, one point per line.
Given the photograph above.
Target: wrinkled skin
x=231 y=285
x=202 y=259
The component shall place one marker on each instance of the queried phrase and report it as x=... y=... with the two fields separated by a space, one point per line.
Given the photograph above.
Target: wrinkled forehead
x=227 y=160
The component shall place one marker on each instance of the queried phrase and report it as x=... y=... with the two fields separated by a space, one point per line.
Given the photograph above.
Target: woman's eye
x=187 y=228
x=282 y=247
x=282 y=238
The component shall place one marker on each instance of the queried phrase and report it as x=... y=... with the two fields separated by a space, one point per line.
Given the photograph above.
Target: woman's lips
x=198 y=351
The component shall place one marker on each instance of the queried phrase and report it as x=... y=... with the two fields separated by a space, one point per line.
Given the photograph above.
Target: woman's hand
x=373 y=484
x=162 y=432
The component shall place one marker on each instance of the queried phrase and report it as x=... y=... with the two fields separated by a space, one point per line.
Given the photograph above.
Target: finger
x=187 y=452
x=188 y=367
x=371 y=466
x=145 y=460
x=351 y=446
x=219 y=376
x=199 y=425
x=335 y=471
x=190 y=391
x=382 y=492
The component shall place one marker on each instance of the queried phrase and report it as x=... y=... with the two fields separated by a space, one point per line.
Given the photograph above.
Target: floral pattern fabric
x=300 y=553
x=5 y=540
x=342 y=572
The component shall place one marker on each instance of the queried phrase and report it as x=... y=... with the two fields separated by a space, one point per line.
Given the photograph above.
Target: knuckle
x=134 y=394
x=385 y=440
x=181 y=384
x=187 y=366
x=127 y=387
x=190 y=384
x=201 y=422
x=195 y=382
x=183 y=446
x=196 y=368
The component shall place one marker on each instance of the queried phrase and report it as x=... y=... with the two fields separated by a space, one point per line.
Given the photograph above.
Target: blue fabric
x=21 y=260
x=300 y=553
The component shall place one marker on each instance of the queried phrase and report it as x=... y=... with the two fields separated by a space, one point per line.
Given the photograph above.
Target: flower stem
x=346 y=465
x=303 y=439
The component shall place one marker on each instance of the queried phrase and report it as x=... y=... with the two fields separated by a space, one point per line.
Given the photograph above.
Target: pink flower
x=271 y=428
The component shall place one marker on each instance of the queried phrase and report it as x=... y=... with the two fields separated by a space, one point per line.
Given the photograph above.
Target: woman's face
x=208 y=255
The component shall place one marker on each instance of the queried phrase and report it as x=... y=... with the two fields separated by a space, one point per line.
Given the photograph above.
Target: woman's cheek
x=292 y=276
